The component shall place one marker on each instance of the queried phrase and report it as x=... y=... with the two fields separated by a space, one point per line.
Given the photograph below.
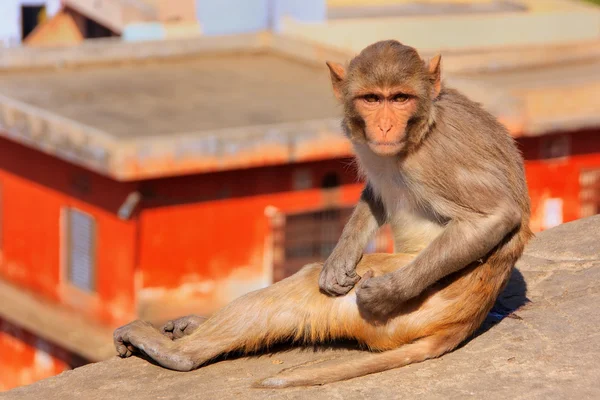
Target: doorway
x=31 y=17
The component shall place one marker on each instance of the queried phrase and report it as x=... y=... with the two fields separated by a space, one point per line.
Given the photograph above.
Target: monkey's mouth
x=386 y=148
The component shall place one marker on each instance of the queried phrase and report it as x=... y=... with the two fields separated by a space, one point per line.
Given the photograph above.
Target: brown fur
x=454 y=193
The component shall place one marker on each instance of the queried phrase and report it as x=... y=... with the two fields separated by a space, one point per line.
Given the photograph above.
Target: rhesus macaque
x=448 y=179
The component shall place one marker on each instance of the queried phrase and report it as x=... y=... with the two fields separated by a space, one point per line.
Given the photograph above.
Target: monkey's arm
x=461 y=243
x=338 y=275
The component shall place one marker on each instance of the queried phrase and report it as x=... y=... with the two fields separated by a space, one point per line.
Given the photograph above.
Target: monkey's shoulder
x=466 y=118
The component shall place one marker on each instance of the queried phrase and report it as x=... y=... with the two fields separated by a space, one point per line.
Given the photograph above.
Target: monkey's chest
x=413 y=231
x=413 y=225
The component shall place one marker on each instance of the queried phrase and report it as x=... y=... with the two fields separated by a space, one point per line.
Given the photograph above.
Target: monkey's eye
x=371 y=98
x=400 y=98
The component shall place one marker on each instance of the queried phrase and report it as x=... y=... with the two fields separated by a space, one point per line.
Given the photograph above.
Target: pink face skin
x=386 y=112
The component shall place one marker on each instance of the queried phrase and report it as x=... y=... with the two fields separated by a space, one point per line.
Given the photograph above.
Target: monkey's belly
x=413 y=232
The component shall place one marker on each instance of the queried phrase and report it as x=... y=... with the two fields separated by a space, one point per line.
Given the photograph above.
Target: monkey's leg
x=355 y=366
x=292 y=309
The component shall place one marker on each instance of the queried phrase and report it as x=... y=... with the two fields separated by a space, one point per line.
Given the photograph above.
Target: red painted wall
x=34 y=187
x=207 y=233
x=216 y=247
x=24 y=358
x=199 y=240
x=558 y=177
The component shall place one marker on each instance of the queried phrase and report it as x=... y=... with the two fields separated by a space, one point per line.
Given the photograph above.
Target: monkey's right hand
x=338 y=275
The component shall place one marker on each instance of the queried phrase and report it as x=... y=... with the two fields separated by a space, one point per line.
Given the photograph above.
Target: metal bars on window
x=308 y=237
x=81 y=250
x=589 y=180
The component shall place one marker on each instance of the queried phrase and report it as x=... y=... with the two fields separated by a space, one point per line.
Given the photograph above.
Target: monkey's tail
x=335 y=370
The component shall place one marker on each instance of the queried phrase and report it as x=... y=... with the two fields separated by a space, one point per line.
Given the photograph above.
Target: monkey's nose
x=385 y=128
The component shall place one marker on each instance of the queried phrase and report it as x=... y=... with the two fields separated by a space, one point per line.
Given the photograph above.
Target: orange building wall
x=195 y=243
x=34 y=189
x=558 y=178
x=217 y=249
x=24 y=358
x=203 y=240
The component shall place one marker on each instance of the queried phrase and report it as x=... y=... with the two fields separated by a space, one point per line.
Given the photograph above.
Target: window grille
x=81 y=250
x=310 y=237
x=589 y=195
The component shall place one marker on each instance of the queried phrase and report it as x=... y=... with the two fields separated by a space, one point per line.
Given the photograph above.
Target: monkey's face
x=385 y=113
x=386 y=91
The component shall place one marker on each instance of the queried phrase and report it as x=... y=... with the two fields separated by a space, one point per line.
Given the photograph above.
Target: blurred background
x=160 y=158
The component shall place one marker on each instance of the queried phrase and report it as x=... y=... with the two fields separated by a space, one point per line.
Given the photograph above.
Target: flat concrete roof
x=534 y=101
x=580 y=72
x=143 y=110
x=416 y=8
x=196 y=94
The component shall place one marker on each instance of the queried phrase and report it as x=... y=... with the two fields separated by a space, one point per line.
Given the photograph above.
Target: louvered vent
x=82 y=250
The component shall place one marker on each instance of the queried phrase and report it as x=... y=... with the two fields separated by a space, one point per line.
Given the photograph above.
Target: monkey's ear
x=435 y=70
x=338 y=74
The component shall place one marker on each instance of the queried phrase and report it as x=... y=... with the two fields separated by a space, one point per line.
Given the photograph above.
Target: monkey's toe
x=122 y=345
x=181 y=327
x=167 y=329
x=124 y=351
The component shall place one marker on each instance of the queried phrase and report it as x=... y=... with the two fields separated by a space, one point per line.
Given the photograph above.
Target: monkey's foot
x=143 y=337
x=126 y=337
x=181 y=327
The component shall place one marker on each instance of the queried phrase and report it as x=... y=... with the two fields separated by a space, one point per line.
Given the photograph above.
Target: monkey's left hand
x=380 y=296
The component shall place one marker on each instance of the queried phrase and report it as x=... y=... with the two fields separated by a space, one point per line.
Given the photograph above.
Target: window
x=589 y=181
x=309 y=237
x=330 y=181
x=80 y=249
x=31 y=17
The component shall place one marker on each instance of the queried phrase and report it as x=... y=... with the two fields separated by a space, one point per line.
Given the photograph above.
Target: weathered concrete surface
x=550 y=350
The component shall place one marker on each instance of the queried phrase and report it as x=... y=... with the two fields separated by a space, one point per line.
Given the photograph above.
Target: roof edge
x=53 y=134
x=515 y=57
x=175 y=154
x=94 y=52
x=232 y=148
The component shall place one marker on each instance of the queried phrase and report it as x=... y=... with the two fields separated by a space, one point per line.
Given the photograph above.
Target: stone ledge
x=549 y=350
